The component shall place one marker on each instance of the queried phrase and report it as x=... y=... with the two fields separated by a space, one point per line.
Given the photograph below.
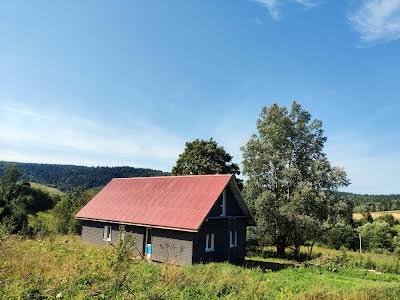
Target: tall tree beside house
x=202 y=157
x=291 y=187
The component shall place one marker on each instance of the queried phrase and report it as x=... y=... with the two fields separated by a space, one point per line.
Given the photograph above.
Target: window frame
x=210 y=242
x=223 y=204
x=232 y=239
x=107 y=233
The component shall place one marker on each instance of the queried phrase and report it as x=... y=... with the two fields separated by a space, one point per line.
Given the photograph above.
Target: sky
x=129 y=82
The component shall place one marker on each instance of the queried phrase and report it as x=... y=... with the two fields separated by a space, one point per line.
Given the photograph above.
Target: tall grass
x=63 y=267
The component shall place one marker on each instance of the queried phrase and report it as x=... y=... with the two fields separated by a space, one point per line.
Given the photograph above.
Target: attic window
x=223 y=204
x=209 y=242
x=107 y=233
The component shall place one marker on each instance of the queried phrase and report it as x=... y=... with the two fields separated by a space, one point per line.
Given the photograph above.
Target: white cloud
x=33 y=135
x=307 y=3
x=274 y=6
x=377 y=20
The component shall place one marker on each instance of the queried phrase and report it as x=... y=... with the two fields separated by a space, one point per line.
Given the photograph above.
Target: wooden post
x=359 y=236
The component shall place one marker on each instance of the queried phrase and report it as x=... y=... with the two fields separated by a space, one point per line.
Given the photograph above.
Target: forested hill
x=68 y=177
x=366 y=202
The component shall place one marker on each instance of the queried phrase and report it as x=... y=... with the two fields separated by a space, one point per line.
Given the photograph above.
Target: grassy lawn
x=63 y=266
x=45 y=188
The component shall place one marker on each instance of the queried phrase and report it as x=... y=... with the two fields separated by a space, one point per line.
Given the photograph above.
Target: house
x=177 y=219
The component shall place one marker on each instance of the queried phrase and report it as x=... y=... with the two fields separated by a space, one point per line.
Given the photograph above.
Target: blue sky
x=129 y=82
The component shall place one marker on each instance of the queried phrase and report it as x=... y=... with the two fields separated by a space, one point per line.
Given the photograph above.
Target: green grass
x=63 y=266
x=45 y=188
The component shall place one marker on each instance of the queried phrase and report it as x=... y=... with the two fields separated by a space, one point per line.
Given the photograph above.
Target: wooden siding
x=222 y=250
x=232 y=207
x=172 y=246
x=93 y=232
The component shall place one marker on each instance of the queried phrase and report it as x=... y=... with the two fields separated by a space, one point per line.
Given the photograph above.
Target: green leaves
x=291 y=185
x=202 y=157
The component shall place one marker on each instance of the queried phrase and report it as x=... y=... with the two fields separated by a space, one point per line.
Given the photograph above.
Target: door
x=148 y=243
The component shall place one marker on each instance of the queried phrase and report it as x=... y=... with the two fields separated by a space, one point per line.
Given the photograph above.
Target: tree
x=291 y=187
x=66 y=209
x=18 y=199
x=377 y=235
x=202 y=157
x=341 y=234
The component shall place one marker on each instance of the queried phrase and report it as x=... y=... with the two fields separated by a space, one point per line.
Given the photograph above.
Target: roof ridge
x=173 y=176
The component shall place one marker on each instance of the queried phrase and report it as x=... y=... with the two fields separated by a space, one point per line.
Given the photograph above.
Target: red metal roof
x=180 y=202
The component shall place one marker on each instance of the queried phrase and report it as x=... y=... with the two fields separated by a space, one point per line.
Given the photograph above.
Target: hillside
x=47 y=189
x=68 y=177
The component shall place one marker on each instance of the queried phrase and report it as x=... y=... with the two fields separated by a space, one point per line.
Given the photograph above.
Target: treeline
x=369 y=203
x=70 y=177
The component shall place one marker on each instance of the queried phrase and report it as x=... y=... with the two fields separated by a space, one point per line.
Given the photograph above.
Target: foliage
x=364 y=203
x=291 y=186
x=18 y=199
x=42 y=224
x=44 y=269
x=202 y=157
x=66 y=209
x=377 y=235
x=388 y=218
x=70 y=177
x=340 y=235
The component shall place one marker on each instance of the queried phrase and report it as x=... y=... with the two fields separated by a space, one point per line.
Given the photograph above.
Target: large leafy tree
x=291 y=186
x=202 y=157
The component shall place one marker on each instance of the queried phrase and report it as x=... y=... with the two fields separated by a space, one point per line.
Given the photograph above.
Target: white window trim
x=232 y=239
x=210 y=242
x=223 y=205
x=106 y=237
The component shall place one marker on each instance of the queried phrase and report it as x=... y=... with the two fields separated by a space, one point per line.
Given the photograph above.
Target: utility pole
x=359 y=236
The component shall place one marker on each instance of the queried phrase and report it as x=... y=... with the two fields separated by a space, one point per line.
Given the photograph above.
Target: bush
x=41 y=224
x=377 y=235
x=341 y=235
x=388 y=218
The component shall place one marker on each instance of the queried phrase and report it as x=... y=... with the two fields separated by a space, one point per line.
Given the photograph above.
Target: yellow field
x=376 y=214
x=45 y=188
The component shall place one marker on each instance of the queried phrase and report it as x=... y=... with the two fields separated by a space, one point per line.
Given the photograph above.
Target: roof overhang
x=136 y=224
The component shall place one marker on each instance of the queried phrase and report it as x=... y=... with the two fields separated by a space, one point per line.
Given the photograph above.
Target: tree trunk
x=280 y=249
x=311 y=248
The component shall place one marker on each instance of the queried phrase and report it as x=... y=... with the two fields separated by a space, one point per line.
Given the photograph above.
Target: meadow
x=377 y=214
x=61 y=267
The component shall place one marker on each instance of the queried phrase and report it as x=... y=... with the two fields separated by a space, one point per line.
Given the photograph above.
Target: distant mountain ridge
x=69 y=177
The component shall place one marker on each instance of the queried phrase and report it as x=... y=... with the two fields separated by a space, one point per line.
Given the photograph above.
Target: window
x=209 y=242
x=107 y=233
x=223 y=205
x=232 y=239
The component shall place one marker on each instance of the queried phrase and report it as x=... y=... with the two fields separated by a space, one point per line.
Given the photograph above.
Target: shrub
x=41 y=224
x=377 y=235
x=341 y=235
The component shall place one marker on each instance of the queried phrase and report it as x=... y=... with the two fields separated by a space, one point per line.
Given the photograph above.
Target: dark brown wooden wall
x=172 y=246
x=92 y=232
x=232 y=207
x=222 y=252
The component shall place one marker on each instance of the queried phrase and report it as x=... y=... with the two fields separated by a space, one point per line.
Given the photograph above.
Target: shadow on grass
x=266 y=265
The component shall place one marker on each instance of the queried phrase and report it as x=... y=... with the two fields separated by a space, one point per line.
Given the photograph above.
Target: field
x=48 y=189
x=376 y=214
x=62 y=267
